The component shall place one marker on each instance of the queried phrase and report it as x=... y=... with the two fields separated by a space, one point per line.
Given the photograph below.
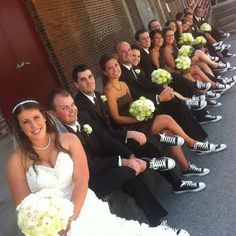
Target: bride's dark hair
x=23 y=141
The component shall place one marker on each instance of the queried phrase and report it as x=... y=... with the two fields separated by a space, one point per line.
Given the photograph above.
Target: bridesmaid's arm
x=155 y=58
x=81 y=173
x=16 y=177
x=170 y=61
x=113 y=108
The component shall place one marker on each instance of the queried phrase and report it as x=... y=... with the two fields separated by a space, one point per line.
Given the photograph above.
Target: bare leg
x=165 y=122
x=178 y=153
x=205 y=68
x=201 y=56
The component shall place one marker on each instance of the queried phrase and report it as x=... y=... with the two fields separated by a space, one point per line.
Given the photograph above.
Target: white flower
x=142 y=109
x=205 y=27
x=183 y=63
x=103 y=98
x=186 y=39
x=200 y=40
x=41 y=213
x=87 y=129
x=161 y=77
x=186 y=51
x=137 y=71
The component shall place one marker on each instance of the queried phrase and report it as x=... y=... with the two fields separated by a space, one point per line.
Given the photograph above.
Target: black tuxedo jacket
x=100 y=115
x=146 y=63
x=140 y=86
x=102 y=150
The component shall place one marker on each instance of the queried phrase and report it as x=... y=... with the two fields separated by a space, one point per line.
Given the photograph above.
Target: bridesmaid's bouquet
x=183 y=63
x=44 y=213
x=186 y=39
x=186 y=51
x=161 y=77
x=200 y=40
x=142 y=109
x=205 y=27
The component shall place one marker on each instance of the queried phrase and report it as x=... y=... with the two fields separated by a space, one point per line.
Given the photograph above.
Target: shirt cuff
x=119 y=161
x=157 y=100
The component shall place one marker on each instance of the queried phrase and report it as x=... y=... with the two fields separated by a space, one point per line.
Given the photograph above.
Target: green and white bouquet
x=205 y=27
x=186 y=51
x=183 y=63
x=200 y=40
x=186 y=39
x=161 y=77
x=142 y=109
x=44 y=213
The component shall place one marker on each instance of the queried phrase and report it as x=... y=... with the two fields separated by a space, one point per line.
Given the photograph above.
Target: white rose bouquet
x=183 y=63
x=161 y=77
x=186 y=39
x=205 y=27
x=186 y=51
x=142 y=109
x=44 y=213
x=200 y=40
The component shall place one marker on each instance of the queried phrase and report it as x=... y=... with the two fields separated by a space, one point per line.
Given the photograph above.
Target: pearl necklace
x=44 y=148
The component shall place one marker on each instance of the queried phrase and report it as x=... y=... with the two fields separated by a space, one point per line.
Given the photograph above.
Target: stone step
x=221 y=7
x=227 y=12
x=221 y=22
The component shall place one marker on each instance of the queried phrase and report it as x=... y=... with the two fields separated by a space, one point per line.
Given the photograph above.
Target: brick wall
x=80 y=31
x=174 y=7
x=4 y=130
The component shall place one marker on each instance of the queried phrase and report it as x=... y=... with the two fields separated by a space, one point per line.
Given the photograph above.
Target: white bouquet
x=205 y=27
x=161 y=77
x=183 y=63
x=200 y=40
x=142 y=109
x=186 y=39
x=44 y=213
x=186 y=51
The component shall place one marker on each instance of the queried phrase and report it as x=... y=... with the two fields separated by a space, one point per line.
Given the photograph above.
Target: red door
x=25 y=69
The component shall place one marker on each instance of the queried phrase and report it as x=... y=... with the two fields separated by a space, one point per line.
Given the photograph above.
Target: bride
x=48 y=159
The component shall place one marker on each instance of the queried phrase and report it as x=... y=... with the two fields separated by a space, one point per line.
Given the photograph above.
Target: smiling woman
x=58 y=162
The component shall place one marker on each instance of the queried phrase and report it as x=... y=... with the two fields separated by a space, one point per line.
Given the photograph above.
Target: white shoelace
x=202 y=146
x=167 y=139
x=157 y=163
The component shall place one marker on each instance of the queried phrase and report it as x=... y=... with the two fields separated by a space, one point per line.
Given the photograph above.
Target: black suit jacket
x=102 y=149
x=100 y=115
x=146 y=63
x=140 y=86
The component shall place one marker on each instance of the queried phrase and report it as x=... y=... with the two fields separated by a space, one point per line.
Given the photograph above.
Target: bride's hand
x=64 y=232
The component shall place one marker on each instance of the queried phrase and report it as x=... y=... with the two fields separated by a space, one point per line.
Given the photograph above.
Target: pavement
x=211 y=212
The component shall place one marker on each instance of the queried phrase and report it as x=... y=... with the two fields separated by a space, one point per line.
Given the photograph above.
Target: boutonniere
x=87 y=129
x=103 y=98
x=137 y=71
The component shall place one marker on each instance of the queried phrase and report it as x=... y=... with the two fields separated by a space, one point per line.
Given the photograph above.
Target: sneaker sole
x=224 y=146
x=196 y=174
x=189 y=191
x=215 y=105
x=202 y=152
x=210 y=121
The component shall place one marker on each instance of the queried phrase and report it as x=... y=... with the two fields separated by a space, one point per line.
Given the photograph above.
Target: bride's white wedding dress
x=95 y=217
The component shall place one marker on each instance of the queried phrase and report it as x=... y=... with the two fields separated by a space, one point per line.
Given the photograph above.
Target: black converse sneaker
x=189 y=186
x=213 y=103
x=202 y=86
x=178 y=232
x=174 y=140
x=161 y=164
x=195 y=104
x=220 y=147
x=212 y=95
x=203 y=147
x=209 y=119
x=195 y=171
